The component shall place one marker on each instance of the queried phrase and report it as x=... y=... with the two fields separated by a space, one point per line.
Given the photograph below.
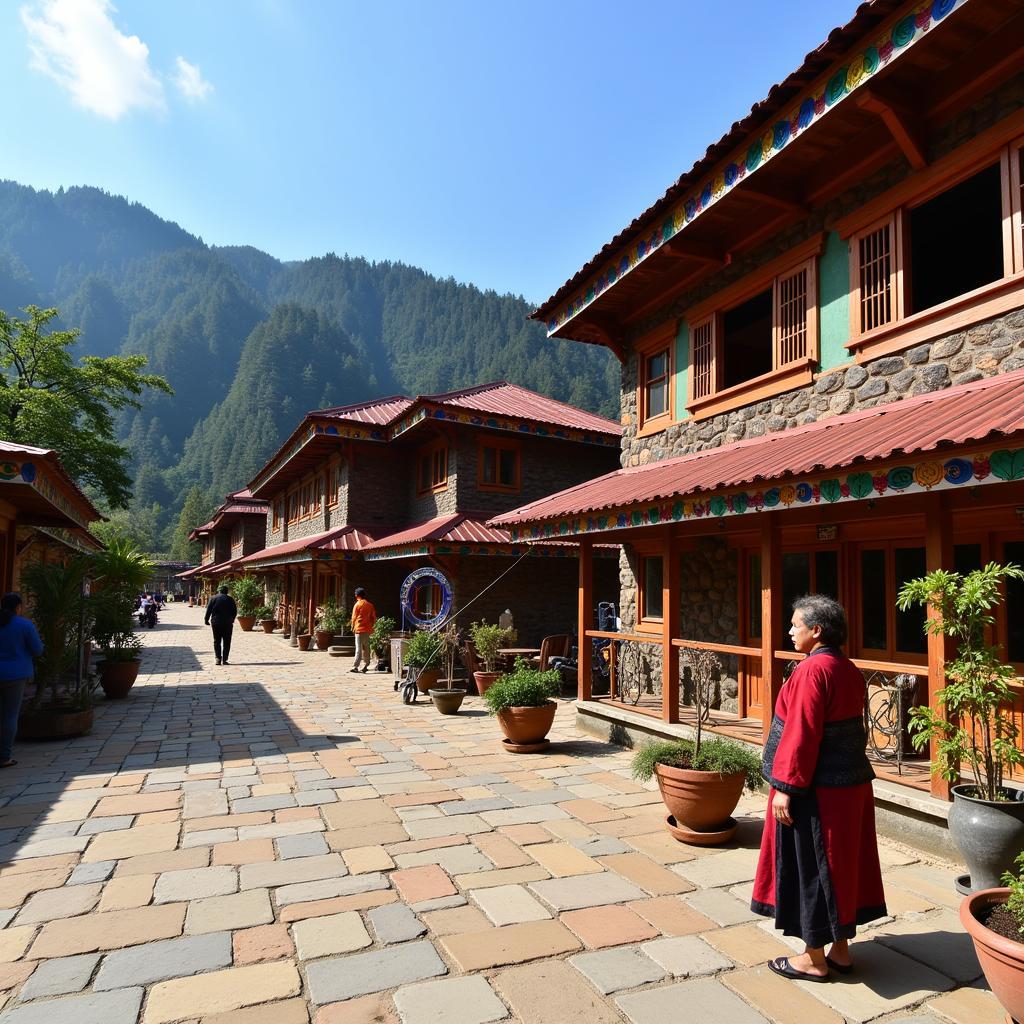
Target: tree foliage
x=197 y=509
x=49 y=400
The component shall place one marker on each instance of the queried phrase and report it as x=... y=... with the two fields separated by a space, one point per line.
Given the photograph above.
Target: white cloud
x=190 y=82
x=78 y=45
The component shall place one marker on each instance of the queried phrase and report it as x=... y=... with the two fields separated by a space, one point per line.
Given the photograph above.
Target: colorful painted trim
x=512 y=425
x=930 y=475
x=829 y=91
x=42 y=483
x=478 y=550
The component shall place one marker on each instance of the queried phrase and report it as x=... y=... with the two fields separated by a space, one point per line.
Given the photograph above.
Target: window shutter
x=703 y=359
x=791 y=308
x=875 y=265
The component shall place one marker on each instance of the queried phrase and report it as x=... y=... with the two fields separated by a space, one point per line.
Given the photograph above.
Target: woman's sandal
x=782 y=967
x=839 y=968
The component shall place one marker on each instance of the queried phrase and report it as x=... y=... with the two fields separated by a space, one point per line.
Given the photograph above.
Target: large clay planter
x=268 y=625
x=54 y=724
x=1001 y=959
x=117 y=677
x=484 y=681
x=427 y=679
x=303 y=640
x=246 y=622
x=324 y=639
x=448 y=702
x=700 y=804
x=527 y=727
x=988 y=834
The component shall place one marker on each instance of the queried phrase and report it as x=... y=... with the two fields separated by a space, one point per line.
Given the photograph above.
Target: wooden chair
x=556 y=646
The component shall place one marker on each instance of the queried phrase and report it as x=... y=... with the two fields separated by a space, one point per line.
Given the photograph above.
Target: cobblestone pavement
x=280 y=841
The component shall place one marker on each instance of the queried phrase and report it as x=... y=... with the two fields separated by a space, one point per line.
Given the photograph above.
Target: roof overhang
x=35 y=483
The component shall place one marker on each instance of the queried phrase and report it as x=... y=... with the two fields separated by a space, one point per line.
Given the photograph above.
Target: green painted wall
x=682 y=374
x=834 y=295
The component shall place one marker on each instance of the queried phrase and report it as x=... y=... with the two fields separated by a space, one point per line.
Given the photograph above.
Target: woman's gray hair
x=826 y=612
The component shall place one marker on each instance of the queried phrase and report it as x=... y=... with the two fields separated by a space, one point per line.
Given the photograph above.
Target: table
x=509 y=654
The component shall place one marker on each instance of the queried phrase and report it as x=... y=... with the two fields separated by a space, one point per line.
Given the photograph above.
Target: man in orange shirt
x=364 y=615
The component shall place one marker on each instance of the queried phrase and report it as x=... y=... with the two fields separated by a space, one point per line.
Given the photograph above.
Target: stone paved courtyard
x=280 y=841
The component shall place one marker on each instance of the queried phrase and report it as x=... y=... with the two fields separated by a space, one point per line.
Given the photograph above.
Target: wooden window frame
x=653 y=344
x=431 y=451
x=1001 y=145
x=277 y=507
x=645 y=622
x=856 y=644
x=499 y=445
x=318 y=486
x=709 y=314
x=333 y=484
x=293 y=507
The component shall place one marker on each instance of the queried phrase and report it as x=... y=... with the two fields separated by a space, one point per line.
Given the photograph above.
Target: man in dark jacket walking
x=221 y=611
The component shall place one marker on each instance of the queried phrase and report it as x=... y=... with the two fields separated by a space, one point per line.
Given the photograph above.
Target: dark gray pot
x=448 y=702
x=989 y=835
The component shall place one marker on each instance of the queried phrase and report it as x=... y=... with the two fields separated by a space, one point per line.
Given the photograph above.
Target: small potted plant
x=973 y=723
x=449 y=700
x=522 y=701
x=700 y=780
x=330 y=619
x=247 y=591
x=487 y=641
x=424 y=654
x=380 y=641
x=994 y=919
x=119 y=667
x=265 y=617
x=303 y=638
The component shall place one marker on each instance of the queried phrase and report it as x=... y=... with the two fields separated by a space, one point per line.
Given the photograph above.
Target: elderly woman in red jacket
x=818 y=874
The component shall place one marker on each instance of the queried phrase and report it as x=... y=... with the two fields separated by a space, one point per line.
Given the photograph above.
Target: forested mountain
x=250 y=343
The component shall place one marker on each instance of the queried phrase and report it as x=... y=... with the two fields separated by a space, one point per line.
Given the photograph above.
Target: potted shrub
x=330 y=619
x=700 y=780
x=994 y=919
x=424 y=655
x=487 y=641
x=449 y=700
x=380 y=641
x=972 y=723
x=119 y=667
x=522 y=701
x=265 y=617
x=247 y=590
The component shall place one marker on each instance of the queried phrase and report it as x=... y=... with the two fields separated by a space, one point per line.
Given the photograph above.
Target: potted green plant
x=330 y=619
x=700 y=780
x=265 y=617
x=380 y=641
x=247 y=590
x=994 y=919
x=424 y=655
x=449 y=700
x=487 y=642
x=522 y=701
x=972 y=723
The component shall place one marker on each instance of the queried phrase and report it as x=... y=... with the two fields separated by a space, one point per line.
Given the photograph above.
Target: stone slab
x=331 y=981
x=395 y=923
x=59 y=977
x=705 y=999
x=509 y=904
x=158 y=961
x=513 y=944
x=121 y=1007
x=611 y=970
x=551 y=992
x=449 y=1001
x=586 y=891
x=330 y=935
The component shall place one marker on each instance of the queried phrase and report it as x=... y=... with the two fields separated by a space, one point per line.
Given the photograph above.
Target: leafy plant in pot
x=994 y=919
x=380 y=641
x=330 y=619
x=522 y=701
x=449 y=642
x=247 y=590
x=701 y=780
x=265 y=617
x=487 y=642
x=972 y=723
x=424 y=655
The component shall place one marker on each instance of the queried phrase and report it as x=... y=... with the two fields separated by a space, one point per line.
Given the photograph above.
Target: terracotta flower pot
x=268 y=625
x=525 y=726
x=427 y=679
x=117 y=677
x=700 y=802
x=246 y=622
x=54 y=724
x=448 y=702
x=304 y=640
x=484 y=681
x=324 y=639
x=1001 y=959
x=191 y=602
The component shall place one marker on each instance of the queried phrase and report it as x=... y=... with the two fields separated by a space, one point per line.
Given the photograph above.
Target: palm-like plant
x=120 y=572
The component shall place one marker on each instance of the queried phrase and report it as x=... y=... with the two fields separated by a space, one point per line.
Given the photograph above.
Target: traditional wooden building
x=236 y=529
x=362 y=495
x=821 y=333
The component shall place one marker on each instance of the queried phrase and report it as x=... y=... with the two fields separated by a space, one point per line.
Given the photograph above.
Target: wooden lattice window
x=876 y=256
x=433 y=468
x=702 y=359
x=793 y=327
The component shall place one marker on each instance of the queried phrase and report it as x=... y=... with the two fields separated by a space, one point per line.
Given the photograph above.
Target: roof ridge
x=359 y=405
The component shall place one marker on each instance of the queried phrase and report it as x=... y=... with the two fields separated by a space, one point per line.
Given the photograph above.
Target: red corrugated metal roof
x=500 y=398
x=959 y=415
x=460 y=528
x=345 y=538
x=200 y=530
x=378 y=412
x=238 y=508
x=231 y=565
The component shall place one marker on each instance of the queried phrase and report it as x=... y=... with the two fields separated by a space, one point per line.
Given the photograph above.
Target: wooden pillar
x=312 y=597
x=669 y=629
x=938 y=555
x=585 y=619
x=771 y=617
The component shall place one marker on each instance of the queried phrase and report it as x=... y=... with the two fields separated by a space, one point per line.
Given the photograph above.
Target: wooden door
x=751 y=670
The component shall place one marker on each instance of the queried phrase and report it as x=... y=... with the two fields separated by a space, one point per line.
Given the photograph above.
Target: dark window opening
x=956 y=241
x=747 y=344
x=1013 y=551
x=826 y=573
x=652 y=583
x=796 y=582
x=754 y=597
x=874 y=628
x=966 y=558
x=910 y=635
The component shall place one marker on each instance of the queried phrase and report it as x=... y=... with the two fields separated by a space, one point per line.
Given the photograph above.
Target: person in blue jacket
x=19 y=645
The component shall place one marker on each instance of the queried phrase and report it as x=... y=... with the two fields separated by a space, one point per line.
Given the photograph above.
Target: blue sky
x=501 y=144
